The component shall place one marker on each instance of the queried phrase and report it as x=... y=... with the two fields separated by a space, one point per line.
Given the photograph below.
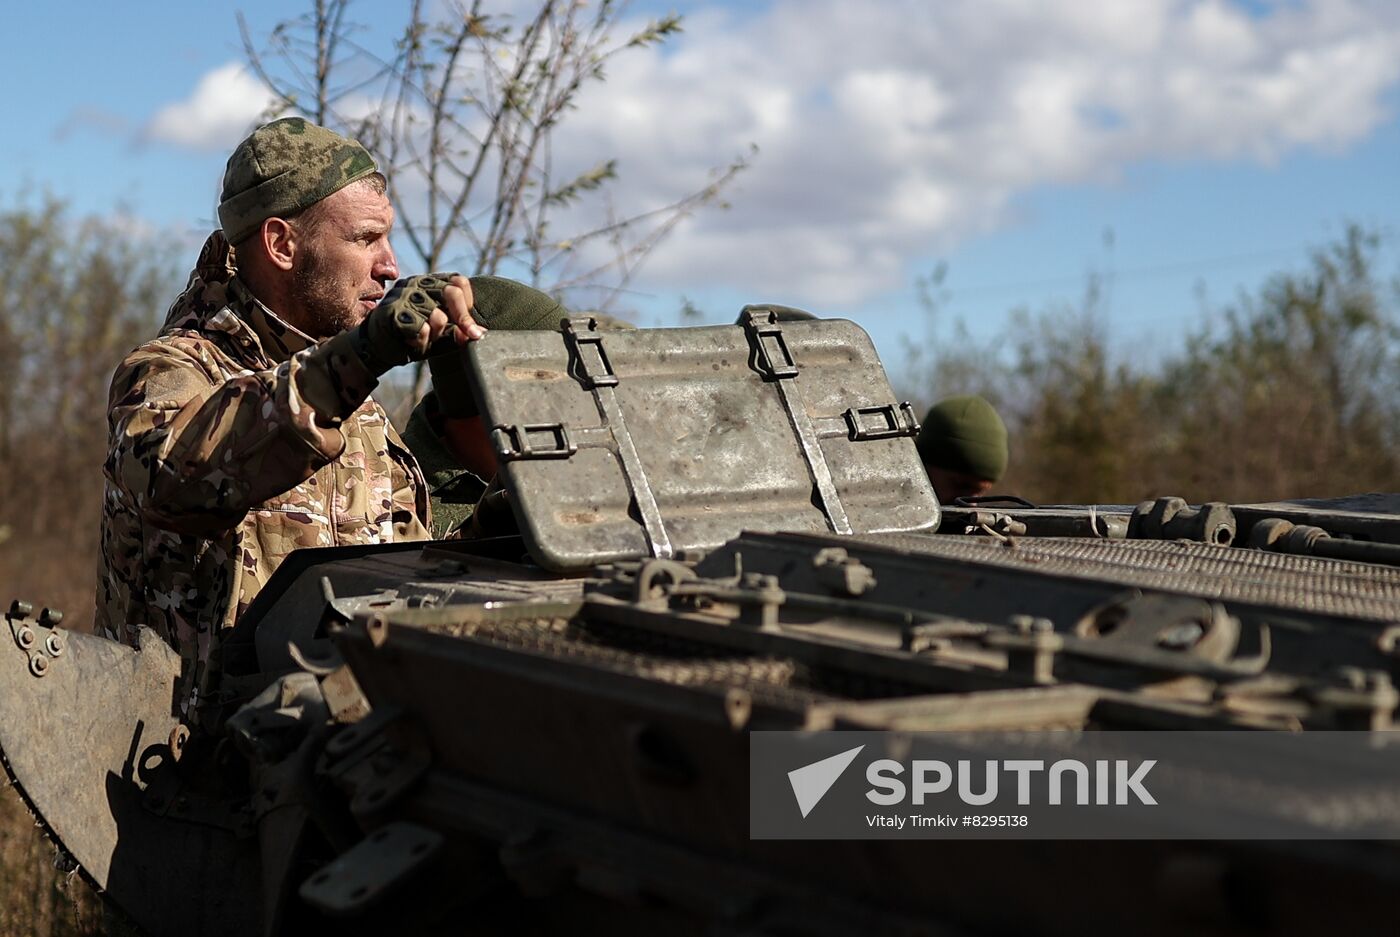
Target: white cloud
x=893 y=128
x=223 y=107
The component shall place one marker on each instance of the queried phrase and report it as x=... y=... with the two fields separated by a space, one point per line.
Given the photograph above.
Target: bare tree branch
x=462 y=112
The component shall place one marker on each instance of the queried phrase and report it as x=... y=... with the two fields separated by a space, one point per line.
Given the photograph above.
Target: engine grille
x=1279 y=580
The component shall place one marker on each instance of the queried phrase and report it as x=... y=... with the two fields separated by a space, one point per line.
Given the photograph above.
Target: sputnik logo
x=811 y=782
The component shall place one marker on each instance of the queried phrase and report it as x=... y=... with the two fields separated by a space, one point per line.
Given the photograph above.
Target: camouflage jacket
x=218 y=467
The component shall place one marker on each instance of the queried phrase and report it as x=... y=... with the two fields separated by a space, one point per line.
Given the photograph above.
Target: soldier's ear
x=278 y=240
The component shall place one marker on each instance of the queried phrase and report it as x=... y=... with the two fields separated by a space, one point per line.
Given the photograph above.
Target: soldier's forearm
x=199 y=457
x=334 y=377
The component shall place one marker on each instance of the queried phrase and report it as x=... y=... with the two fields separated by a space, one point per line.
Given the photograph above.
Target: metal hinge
x=883 y=422
x=525 y=442
x=772 y=359
x=377 y=760
x=588 y=359
x=392 y=854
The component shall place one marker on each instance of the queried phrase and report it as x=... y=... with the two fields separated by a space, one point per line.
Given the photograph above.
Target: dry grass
x=37 y=899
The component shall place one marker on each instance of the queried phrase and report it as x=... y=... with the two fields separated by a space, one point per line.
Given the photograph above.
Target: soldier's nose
x=388 y=267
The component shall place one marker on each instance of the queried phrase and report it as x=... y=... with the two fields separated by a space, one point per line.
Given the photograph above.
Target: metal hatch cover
x=633 y=443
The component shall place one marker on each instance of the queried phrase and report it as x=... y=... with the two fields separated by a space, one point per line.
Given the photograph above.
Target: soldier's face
x=343 y=261
x=950 y=485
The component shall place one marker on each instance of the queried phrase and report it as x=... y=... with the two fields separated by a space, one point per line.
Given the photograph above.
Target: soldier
x=445 y=432
x=245 y=429
x=963 y=447
x=781 y=313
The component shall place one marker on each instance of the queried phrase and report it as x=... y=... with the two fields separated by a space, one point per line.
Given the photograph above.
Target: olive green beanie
x=781 y=313
x=964 y=434
x=283 y=168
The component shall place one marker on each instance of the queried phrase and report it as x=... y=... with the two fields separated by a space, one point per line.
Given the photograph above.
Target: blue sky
x=1216 y=141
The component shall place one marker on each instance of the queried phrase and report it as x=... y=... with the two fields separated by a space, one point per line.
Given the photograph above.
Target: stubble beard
x=328 y=301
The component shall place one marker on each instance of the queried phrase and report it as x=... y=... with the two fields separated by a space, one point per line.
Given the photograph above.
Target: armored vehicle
x=717 y=532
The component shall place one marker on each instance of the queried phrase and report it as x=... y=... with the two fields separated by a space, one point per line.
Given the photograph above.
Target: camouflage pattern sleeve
x=197 y=441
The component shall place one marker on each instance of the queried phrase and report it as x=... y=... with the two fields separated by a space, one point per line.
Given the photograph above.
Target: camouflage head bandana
x=284 y=167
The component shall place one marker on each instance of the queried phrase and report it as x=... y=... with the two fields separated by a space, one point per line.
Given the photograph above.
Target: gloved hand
x=500 y=304
x=416 y=312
